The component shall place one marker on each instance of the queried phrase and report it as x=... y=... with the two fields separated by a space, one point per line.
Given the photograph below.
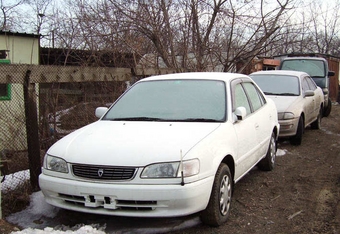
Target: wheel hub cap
x=225 y=195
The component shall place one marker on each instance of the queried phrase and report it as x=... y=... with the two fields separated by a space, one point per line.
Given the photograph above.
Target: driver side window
x=305 y=85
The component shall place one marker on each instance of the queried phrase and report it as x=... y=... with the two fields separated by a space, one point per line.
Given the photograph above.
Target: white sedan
x=172 y=145
x=298 y=99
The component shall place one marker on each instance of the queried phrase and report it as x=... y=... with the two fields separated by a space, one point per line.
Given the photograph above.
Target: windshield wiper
x=161 y=119
x=287 y=94
x=268 y=93
x=199 y=120
x=137 y=119
x=281 y=94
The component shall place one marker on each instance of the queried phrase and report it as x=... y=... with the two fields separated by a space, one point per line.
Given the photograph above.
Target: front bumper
x=288 y=127
x=126 y=199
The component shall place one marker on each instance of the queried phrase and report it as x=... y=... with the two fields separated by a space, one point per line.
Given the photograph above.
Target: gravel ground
x=302 y=193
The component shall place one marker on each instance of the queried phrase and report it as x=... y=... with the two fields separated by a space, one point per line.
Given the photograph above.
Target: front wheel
x=327 y=109
x=218 y=208
x=317 y=123
x=268 y=162
x=297 y=139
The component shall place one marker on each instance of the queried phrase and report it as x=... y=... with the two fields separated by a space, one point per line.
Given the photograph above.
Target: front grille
x=109 y=203
x=136 y=205
x=103 y=172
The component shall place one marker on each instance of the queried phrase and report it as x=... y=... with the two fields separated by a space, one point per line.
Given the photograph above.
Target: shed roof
x=11 y=33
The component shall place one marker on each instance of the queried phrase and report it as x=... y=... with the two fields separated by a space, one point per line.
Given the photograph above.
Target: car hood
x=284 y=103
x=130 y=143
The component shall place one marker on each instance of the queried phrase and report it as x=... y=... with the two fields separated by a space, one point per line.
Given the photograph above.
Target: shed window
x=5 y=89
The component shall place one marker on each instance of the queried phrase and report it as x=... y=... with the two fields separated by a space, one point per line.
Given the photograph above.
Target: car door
x=317 y=98
x=308 y=102
x=245 y=131
x=262 y=115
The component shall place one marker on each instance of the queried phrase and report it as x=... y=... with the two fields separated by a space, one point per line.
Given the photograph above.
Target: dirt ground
x=6 y=228
x=301 y=195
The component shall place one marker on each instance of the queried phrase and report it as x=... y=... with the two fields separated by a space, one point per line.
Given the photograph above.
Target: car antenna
x=181 y=167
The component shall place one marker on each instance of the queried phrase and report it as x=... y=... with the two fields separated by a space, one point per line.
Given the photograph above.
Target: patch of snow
x=329 y=132
x=41 y=218
x=38 y=210
x=281 y=152
x=12 y=181
x=83 y=230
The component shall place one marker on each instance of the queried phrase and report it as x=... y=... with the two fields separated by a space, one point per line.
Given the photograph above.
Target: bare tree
x=197 y=34
x=9 y=10
x=39 y=8
x=313 y=27
x=325 y=21
x=193 y=35
x=259 y=36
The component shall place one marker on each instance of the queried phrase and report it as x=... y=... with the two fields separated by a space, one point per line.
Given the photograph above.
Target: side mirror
x=240 y=113
x=100 y=111
x=309 y=93
x=331 y=73
x=325 y=91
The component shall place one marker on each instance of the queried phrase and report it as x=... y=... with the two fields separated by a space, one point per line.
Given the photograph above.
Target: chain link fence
x=61 y=108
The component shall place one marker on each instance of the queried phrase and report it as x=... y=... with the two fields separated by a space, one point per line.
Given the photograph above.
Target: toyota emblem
x=100 y=172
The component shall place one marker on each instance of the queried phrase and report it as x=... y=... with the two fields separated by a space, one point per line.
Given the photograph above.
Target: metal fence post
x=32 y=131
x=0 y=194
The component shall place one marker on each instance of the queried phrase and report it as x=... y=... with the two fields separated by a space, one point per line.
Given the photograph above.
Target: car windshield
x=283 y=85
x=172 y=100
x=315 y=68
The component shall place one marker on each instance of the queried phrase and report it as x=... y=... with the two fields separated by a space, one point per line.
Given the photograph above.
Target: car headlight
x=286 y=115
x=55 y=164
x=171 y=169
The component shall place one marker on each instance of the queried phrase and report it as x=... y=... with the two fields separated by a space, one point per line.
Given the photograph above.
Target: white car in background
x=299 y=101
x=172 y=145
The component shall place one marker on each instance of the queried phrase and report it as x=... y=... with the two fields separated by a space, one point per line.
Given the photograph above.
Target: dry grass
x=16 y=200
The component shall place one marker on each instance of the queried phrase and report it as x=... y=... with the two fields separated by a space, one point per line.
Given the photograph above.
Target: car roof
x=224 y=76
x=304 y=58
x=281 y=72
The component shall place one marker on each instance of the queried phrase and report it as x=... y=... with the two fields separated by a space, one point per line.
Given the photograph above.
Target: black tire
x=218 y=208
x=268 y=162
x=328 y=109
x=317 y=123
x=297 y=139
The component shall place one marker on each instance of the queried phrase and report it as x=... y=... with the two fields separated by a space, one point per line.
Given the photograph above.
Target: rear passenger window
x=305 y=85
